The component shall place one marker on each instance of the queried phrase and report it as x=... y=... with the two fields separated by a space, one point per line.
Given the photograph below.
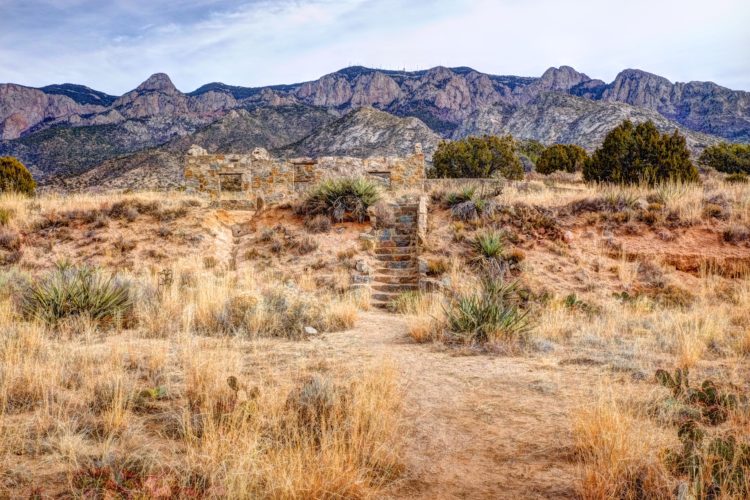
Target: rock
x=568 y=237
x=362 y=267
x=196 y=150
x=310 y=331
x=260 y=154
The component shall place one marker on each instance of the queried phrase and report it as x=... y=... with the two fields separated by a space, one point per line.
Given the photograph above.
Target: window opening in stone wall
x=231 y=183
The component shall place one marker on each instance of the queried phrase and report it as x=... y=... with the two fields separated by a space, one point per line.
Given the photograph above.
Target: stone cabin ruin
x=254 y=176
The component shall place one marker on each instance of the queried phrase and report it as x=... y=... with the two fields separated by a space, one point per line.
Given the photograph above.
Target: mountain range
x=76 y=137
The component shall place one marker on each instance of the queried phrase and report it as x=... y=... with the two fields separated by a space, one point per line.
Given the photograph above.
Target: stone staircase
x=397 y=268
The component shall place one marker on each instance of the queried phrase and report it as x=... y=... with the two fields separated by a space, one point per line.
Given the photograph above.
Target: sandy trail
x=483 y=426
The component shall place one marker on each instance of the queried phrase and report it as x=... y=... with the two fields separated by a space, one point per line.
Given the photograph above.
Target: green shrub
x=477 y=157
x=489 y=244
x=491 y=315
x=726 y=157
x=15 y=177
x=635 y=154
x=77 y=291
x=530 y=149
x=565 y=157
x=341 y=198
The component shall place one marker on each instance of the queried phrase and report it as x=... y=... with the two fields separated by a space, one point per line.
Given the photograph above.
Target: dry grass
x=149 y=411
x=619 y=452
x=111 y=415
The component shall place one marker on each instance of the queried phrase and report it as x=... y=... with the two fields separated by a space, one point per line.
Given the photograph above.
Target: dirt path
x=484 y=426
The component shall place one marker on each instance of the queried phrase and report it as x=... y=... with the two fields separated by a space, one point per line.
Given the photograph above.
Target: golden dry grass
x=149 y=409
x=619 y=452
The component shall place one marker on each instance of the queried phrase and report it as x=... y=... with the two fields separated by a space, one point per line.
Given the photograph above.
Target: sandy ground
x=481 y=426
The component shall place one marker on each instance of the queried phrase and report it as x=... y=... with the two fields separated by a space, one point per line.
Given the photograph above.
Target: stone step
x=400 y=264
x=396 y=278
x=401 y=243
x=404 y=226
x=395 y=250
x=396 y=287
x=397 y=267
x=384 y=296
x=395 y=257
x=403 y=240
x=395 y=234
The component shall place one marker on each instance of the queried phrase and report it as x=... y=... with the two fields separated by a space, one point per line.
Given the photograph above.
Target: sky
x=113 y=45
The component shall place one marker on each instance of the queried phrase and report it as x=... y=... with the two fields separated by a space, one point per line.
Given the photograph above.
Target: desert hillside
x=236 y=353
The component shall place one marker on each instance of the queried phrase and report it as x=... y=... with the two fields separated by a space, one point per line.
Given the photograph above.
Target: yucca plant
x=76 y=291
x=490 y=315
x=338 y=197
x=489 y=244
x=466 y=194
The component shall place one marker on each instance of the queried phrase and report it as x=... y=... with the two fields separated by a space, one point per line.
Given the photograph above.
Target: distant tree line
x=630 y=154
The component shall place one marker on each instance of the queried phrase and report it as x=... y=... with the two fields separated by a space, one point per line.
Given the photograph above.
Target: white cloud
x=113 y=46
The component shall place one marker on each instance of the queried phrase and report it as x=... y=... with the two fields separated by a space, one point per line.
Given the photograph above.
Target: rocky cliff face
x=701 y=106
x=69 y=129
x=558 y=118
x=365 y=132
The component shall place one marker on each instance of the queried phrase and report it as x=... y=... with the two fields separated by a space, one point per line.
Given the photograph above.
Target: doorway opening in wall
x=230 y=183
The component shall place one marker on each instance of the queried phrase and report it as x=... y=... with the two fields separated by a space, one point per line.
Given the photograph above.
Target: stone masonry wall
x=273 y=180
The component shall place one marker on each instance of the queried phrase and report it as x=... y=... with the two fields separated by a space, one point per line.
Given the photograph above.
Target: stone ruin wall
x=257 y=175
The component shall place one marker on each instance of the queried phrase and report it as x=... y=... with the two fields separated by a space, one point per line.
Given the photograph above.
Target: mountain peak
x=562 y=78
x=158 y=82
x=639 y=74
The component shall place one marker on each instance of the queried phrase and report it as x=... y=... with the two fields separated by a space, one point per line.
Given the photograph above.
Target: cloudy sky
x=113 y=45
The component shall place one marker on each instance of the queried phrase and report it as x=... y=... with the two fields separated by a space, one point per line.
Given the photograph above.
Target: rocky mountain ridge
x=443 y=96
x=67 y=130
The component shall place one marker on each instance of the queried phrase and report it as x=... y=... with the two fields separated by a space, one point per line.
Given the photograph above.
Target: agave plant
x=76 y=291
x=489 y=315
x=489 y=244
x=338 y=197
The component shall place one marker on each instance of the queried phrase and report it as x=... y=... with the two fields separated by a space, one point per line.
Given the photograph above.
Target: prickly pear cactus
x=678 y=383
